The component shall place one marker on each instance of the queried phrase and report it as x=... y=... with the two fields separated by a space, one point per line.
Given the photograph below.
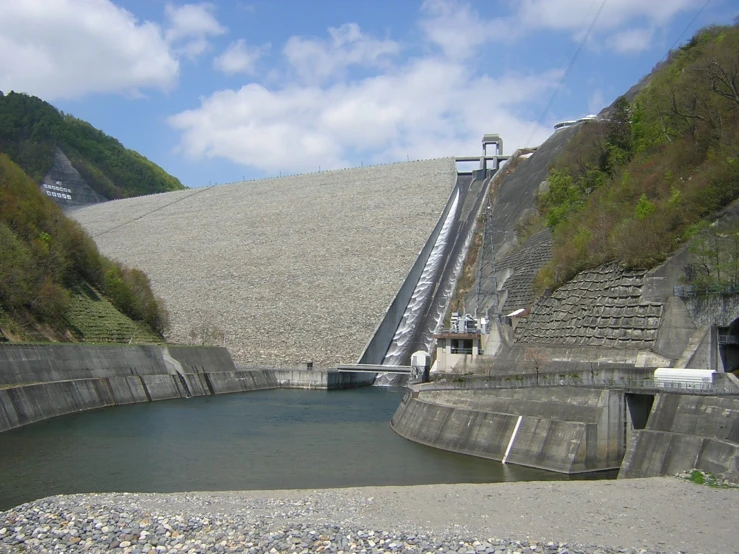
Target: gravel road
x=637 y=515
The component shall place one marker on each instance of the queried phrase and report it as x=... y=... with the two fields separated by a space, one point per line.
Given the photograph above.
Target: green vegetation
x=634 y=187
x=31 y=129
x=715 y=251
x=94 y=319
x=43 y=259
x=708 y=479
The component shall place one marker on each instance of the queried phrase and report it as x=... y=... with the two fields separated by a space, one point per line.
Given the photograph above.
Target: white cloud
x=630 y=40
x=239 y=57
x=315 y=60
x=437 y=104
x=573 y=15
x=69 y=48
x=458 y=30
x=190 y=26
x=427 y=107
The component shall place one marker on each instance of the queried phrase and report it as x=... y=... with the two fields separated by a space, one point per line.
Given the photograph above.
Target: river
x=259 y=440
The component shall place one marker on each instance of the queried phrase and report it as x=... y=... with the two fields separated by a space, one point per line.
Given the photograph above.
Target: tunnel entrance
x=728 y=346
x=639 y=406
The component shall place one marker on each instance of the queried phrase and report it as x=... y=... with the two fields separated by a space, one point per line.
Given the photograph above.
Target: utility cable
x=567 y=71
x=687 y=27
x=152 y=211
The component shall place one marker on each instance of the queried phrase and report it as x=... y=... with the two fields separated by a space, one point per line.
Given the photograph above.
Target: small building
x=461 y=344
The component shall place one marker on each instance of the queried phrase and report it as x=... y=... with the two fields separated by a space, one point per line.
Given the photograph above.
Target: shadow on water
x=276 y=439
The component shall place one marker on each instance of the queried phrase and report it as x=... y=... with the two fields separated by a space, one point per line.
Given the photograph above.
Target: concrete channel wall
x=573 y=423
x=567 y=430
x=685 y=432
x=378 y=345
x=38 y=382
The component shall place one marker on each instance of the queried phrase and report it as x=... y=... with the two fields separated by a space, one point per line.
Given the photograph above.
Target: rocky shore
x=628 y=516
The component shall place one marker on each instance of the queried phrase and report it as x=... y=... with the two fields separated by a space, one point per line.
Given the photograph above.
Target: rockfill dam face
x=288 y=270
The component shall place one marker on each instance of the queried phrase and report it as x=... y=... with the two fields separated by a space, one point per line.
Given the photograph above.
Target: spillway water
x=430 y=300
x=258 y=440
x=418 y=304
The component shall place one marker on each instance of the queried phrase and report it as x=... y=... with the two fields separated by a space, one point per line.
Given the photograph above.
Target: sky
x=221 y=91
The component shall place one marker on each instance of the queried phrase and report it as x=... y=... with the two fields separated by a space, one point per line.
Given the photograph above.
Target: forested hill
x=31 y=130
x=55 y=285
x=634 y=186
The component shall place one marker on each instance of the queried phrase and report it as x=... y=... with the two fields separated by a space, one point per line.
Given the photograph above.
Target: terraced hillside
x=289 y=270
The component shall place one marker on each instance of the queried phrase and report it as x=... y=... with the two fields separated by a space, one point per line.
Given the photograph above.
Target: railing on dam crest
x=637 y=384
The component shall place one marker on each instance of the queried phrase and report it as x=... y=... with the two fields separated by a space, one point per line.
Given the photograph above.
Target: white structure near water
x=683 y=378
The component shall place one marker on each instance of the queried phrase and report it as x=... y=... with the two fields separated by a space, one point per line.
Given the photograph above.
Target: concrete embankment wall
x=331 y=380
x=566 y=430
x=42 y=381
x=685 y=432
x=38 y=382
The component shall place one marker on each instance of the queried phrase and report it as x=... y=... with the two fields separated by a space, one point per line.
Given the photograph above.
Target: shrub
x=631 y=188
x=42 y=254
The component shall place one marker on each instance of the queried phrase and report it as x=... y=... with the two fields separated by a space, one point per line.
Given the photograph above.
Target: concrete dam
x=286 y=270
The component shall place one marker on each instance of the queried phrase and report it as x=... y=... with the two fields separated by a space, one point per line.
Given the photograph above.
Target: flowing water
x=398 y=352
x=258 y=440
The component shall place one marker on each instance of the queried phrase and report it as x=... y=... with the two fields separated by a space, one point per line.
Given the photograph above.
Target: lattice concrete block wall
x=291 y=269
x=600 y=307
x=524 y=262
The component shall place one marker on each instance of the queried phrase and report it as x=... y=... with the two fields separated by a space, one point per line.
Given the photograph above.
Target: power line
x=688 y=26
x=567 y=71
x=152 y=211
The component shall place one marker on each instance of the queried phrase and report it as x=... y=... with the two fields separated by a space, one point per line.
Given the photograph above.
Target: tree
x=538 y=359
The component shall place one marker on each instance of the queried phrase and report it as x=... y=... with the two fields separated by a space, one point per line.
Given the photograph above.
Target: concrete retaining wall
x=25 y=364
x=566 y=404
x=42 y=381
x=564 y=430
x=685 y=432
x=23 y=405
x=331 y=380
x=241 y=381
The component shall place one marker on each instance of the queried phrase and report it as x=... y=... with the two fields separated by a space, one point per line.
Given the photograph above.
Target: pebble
x=81 y=523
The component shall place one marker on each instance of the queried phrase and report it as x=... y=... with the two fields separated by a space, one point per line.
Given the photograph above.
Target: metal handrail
x=455 y=350
x=645 y=385
x=689 y=291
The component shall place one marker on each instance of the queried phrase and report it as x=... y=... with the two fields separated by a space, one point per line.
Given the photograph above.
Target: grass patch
x=93 y=318
x=708 y=479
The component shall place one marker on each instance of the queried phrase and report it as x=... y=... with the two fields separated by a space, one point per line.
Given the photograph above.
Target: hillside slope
x=40 y=138
x=55 y=285
x=634 y=187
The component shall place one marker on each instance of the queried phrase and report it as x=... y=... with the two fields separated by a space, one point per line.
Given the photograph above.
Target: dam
x=264 y=284
x=284 y=270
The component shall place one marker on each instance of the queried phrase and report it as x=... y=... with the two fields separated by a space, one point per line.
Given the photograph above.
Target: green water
x=258 y=440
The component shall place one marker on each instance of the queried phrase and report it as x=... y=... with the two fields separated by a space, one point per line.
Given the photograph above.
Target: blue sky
x=223 y=90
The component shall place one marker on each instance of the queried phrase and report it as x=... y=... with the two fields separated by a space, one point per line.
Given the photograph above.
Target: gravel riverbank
x=639 y=515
